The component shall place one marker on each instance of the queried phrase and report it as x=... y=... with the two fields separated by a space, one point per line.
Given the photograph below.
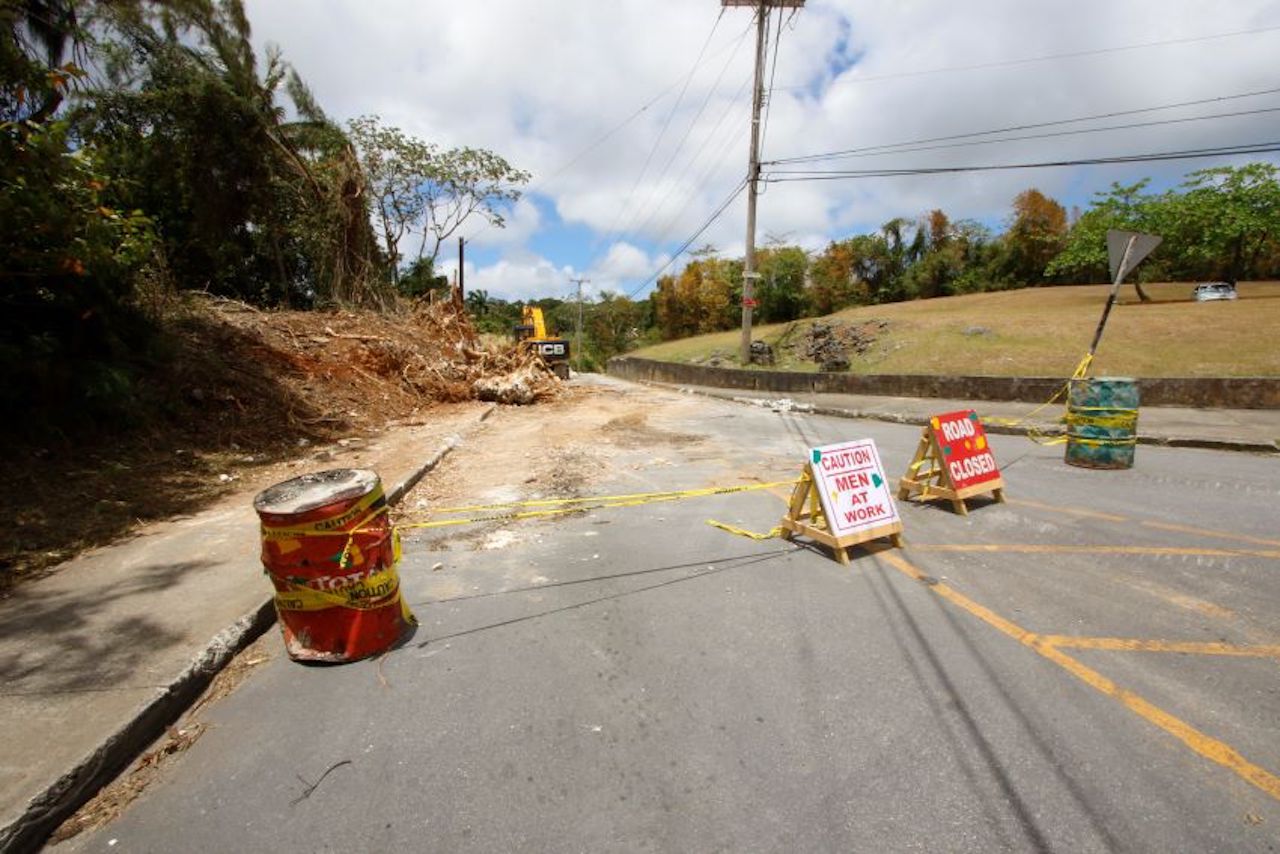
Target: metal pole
x=1111 y=298
x=753 y=178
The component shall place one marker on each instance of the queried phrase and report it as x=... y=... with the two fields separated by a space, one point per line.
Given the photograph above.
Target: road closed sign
x=962 y=444
x=851 y=484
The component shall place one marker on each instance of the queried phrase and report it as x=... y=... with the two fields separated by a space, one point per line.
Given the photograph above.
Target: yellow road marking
x=1074 y=511
x=1152 y=645
x=1163 y=526
x=1207 y=532
x=1174 y=597
x=1202 y=744
x=1053 y=548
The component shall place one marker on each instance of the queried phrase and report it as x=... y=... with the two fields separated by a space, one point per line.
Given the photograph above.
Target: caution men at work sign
x=843 y=498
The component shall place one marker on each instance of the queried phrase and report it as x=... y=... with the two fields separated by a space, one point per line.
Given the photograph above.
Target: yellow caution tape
x=635 y=496
x=578 y=505
x=554 y=507
x=1123 y=419
x=360 y=592
x=1034 y=433
x=743 y=532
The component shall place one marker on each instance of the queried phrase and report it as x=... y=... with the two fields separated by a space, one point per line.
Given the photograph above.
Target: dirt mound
x=232 y=387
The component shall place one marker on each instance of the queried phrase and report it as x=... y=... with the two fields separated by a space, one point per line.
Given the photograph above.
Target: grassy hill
x=1041 y=332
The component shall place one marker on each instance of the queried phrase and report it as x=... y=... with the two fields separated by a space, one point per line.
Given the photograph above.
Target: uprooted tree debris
x=394 y=363
x=234 y=387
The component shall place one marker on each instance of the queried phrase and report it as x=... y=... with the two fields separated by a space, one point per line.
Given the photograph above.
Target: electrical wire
x=834 y=175
x=742 y=185
x=609 y=134
x=773 y=71
x=840 y=154
x=613 y=231
x=1046 y=58
x=652 y=208
x=727 y=141
x=1062 y=133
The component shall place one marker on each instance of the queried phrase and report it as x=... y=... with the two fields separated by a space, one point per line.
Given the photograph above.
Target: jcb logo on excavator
x=549 y=349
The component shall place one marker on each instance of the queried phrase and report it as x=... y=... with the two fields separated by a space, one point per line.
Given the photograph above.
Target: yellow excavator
x=554 y=351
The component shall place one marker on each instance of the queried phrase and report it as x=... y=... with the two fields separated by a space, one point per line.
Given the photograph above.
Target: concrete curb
x=920 y=420
x=398 y=491
x=74 y=789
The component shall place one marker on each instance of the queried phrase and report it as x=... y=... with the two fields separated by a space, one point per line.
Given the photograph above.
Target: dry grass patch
x=1044 y=332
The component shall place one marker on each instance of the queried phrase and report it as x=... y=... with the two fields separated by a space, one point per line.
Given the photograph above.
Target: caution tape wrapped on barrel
x=364 y=548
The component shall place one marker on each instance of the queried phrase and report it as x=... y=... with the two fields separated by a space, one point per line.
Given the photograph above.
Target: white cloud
x=522 y=222
x=520 y=277
x=540 y=83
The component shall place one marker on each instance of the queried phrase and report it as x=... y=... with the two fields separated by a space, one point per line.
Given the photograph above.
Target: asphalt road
x=1092 y=666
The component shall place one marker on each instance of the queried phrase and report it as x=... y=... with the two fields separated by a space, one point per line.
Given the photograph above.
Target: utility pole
x=461 y=296
x=749 y=275
x=577 y=338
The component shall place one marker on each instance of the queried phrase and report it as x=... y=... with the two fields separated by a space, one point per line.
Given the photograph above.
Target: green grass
x=1044 y=332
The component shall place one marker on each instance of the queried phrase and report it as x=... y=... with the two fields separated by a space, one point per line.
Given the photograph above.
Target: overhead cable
x=840 y=154
x=689 y=242
x=784 y=176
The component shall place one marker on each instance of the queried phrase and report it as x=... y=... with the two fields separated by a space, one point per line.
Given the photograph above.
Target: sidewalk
x=1255 y=430
x=97 y=658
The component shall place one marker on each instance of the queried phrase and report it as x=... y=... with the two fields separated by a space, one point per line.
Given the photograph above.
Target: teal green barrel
x=1102 y=422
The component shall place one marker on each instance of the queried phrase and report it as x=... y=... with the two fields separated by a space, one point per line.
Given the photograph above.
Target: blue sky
x=557 y=87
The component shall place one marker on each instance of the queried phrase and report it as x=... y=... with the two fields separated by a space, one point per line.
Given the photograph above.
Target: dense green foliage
x=184 y=163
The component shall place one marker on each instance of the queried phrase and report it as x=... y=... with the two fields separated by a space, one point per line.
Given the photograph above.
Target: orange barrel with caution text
x=331 y=555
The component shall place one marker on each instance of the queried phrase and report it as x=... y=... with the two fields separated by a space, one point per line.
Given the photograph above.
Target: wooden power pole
x=749 y=275
x=577 y=338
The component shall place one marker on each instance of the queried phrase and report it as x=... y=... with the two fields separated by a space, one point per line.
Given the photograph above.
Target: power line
x=613 y=231
x=1054 y=134
x=773 y=71
x=848 y=152
x=835 y=175
x=609 y=134
x=701 y=229
x=727 y=141
x=1046 y=58
x=640 y=224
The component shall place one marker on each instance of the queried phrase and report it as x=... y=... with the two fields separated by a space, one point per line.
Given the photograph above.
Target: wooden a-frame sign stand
x=806 y=518
x=928 y=476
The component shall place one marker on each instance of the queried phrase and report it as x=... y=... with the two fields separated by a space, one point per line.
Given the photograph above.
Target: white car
x=1214 y=290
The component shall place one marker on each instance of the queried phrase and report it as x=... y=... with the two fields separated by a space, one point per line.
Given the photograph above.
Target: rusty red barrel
x=331 y=554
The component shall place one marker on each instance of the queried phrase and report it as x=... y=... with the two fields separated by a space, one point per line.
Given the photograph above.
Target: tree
x=420 y=188
x=477 y=302
x=1226 y=222
x=833 y=281
x=780 y=288
x=420 y=279
x=247 y=203
x=1084 y=252
x=1035 y=236
x=702 y=298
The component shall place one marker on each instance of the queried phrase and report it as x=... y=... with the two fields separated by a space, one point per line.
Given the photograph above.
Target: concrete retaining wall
x=1228 y=392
